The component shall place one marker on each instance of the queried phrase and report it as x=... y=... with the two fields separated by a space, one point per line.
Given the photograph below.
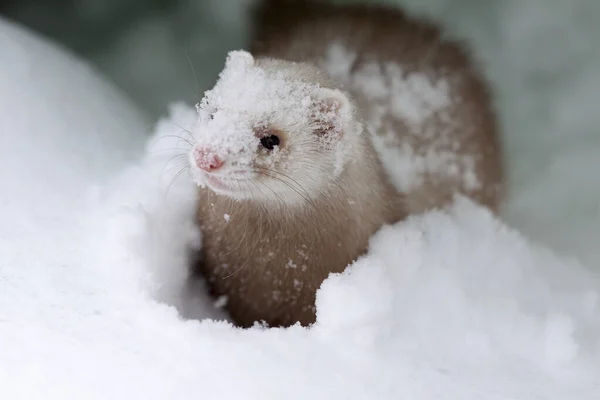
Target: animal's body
x=342 y=119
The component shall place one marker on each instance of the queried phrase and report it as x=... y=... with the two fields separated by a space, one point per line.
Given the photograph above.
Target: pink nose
x=206 y=159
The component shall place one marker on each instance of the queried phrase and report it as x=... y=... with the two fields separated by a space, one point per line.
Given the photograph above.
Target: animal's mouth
x=220 y=183
x=226 y=185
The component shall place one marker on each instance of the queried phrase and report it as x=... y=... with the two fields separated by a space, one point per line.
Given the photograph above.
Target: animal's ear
x=331 y=112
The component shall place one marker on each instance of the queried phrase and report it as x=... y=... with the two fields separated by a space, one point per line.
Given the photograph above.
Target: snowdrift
x=94 y=304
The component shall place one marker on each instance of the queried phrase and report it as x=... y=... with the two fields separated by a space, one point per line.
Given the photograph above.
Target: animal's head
x=273 y=131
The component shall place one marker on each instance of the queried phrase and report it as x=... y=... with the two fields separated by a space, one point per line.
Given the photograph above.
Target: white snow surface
x=93 y=301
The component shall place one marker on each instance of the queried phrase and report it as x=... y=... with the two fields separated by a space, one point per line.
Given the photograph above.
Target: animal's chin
x=234 y=188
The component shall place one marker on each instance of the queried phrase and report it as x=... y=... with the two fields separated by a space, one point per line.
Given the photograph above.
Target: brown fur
x=270 y=262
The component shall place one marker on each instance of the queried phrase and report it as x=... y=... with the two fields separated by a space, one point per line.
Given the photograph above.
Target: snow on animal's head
x=272 y=130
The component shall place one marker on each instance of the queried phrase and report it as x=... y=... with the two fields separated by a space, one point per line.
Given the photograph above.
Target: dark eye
x=269 y=142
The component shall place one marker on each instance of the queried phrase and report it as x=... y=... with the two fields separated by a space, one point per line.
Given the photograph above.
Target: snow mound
x=448 y=303
x=62 y=129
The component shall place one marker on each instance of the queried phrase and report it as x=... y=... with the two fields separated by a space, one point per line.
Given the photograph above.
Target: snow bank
x=447 y=304
x=61 y=129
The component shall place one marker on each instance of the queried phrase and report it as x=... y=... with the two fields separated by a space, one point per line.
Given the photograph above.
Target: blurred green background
x=142 y=45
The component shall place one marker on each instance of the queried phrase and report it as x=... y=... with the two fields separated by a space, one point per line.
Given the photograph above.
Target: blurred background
x=147 y=47
x=541 y=56
x=151 y=48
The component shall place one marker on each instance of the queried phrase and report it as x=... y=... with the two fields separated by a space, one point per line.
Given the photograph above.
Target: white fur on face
x=252 y=99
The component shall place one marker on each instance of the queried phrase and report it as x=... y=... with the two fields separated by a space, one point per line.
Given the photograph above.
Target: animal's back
x=421 y=95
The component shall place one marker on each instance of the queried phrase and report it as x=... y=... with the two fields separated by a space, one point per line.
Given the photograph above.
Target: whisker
x=182 y=164
x=248 y=259
x=287 y=176
x=173 y=158
x=291 y=187
x=257 y=241
x=170 y=150
x=197 y=95
x=185 y=169
x=183 y=129
x=274 y=193
x=243 y=236
x=174 y=137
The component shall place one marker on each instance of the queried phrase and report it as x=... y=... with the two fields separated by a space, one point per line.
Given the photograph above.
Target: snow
x=240 y=108
x=456 y=305
x=230 y=131
x=412 y=97
x=415 y=99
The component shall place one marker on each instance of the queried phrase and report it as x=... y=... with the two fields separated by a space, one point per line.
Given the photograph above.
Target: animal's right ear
x=331 y=112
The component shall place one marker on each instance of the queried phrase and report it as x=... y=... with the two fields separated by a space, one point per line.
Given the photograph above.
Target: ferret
x=339 y=120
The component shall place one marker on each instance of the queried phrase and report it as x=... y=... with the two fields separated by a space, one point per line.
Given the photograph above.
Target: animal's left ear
x=331 y=112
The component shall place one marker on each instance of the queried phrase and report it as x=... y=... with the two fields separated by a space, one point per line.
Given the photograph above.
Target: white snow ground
x=456 y=306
